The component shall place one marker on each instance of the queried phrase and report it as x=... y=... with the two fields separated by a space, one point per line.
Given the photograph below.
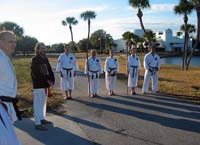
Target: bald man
x=8 y=89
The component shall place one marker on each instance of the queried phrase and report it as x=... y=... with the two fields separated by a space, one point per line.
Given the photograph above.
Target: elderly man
x=8 y=90
x=93 y=69
x=152 y=66
x=67 y=66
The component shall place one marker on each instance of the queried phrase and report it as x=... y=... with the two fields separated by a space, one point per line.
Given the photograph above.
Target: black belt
x=94 y=72
x=5 y=107
x=68 y=70
x=134 y=69
x=14 y=101
x=153 y=70
x=111 y=69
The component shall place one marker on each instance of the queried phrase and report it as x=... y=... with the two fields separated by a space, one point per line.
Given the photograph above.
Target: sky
x=42 y=18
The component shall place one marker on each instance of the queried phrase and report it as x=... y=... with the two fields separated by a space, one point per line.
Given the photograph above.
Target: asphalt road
x=150 y=119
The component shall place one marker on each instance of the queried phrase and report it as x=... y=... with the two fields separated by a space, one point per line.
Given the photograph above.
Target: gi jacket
x=41 y=72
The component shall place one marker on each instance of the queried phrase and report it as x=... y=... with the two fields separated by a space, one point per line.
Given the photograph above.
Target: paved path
x=152 y=119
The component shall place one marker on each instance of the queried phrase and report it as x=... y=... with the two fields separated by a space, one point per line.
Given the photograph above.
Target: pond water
x=178 y=61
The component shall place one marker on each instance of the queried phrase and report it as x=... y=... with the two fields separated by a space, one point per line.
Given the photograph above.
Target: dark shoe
x=133 y=93
x=41 y=127
x=46 y=122
x=113 y=93
x=96 y=95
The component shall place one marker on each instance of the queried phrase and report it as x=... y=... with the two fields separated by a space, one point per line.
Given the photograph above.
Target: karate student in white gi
x=8 y=89
x=151 y=66
x=94 y=70
x=68 y=67
x=133 y=67
x=111 y=69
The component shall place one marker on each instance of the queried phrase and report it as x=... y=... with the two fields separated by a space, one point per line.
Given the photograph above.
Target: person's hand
x=75 y=73
x=101 y=76
x=150 y=70
x=50 y=83
x=61 y=75
x=157 y=69
x=127 y=73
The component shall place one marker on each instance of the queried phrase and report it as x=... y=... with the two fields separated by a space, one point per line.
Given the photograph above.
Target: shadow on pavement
x=54 y=135
x=99 y=126
x=179 y=113
x=183 y=124
x=174 y=104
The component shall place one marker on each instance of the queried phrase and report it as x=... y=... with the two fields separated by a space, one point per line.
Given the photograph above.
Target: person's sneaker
x=133 y=93
x=46 y=121
x=41 y=127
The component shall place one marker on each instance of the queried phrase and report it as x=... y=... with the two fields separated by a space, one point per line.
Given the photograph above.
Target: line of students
x=68 y=67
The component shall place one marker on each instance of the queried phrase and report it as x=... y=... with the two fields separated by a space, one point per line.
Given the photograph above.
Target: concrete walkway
x=150 y=119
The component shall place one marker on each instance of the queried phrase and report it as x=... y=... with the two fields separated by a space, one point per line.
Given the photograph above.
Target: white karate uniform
x=111 y=69
x=151 y=65
x=8 y=87
x=40 y=105
x=95 y=69
x=7 y=132
x=133 y=70
x=8 y=82
x=67 y=64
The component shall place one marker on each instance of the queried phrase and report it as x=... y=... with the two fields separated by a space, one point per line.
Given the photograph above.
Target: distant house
x=167 y=41
x=170 y=42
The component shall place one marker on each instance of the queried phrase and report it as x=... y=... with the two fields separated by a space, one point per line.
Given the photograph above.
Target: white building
x=167 y=41
x=121 y=45
x=170 y=42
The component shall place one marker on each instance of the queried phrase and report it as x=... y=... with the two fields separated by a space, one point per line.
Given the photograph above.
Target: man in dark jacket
x=42 y=77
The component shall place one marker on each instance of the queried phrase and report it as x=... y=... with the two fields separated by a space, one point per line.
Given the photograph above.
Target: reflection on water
x=178 y=61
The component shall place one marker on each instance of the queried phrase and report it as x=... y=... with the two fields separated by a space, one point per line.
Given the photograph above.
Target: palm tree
x=70 y=21
x=87 y=16
x=184 y=7
x=140 y=4
x=196 y=4
x=190 y=29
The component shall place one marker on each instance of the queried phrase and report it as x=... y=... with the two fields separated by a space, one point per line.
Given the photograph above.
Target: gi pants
x=154 y=78
x=7 y=132
x=94 y=82
x=110 y=81
x=67 y=81
x=40 y=105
